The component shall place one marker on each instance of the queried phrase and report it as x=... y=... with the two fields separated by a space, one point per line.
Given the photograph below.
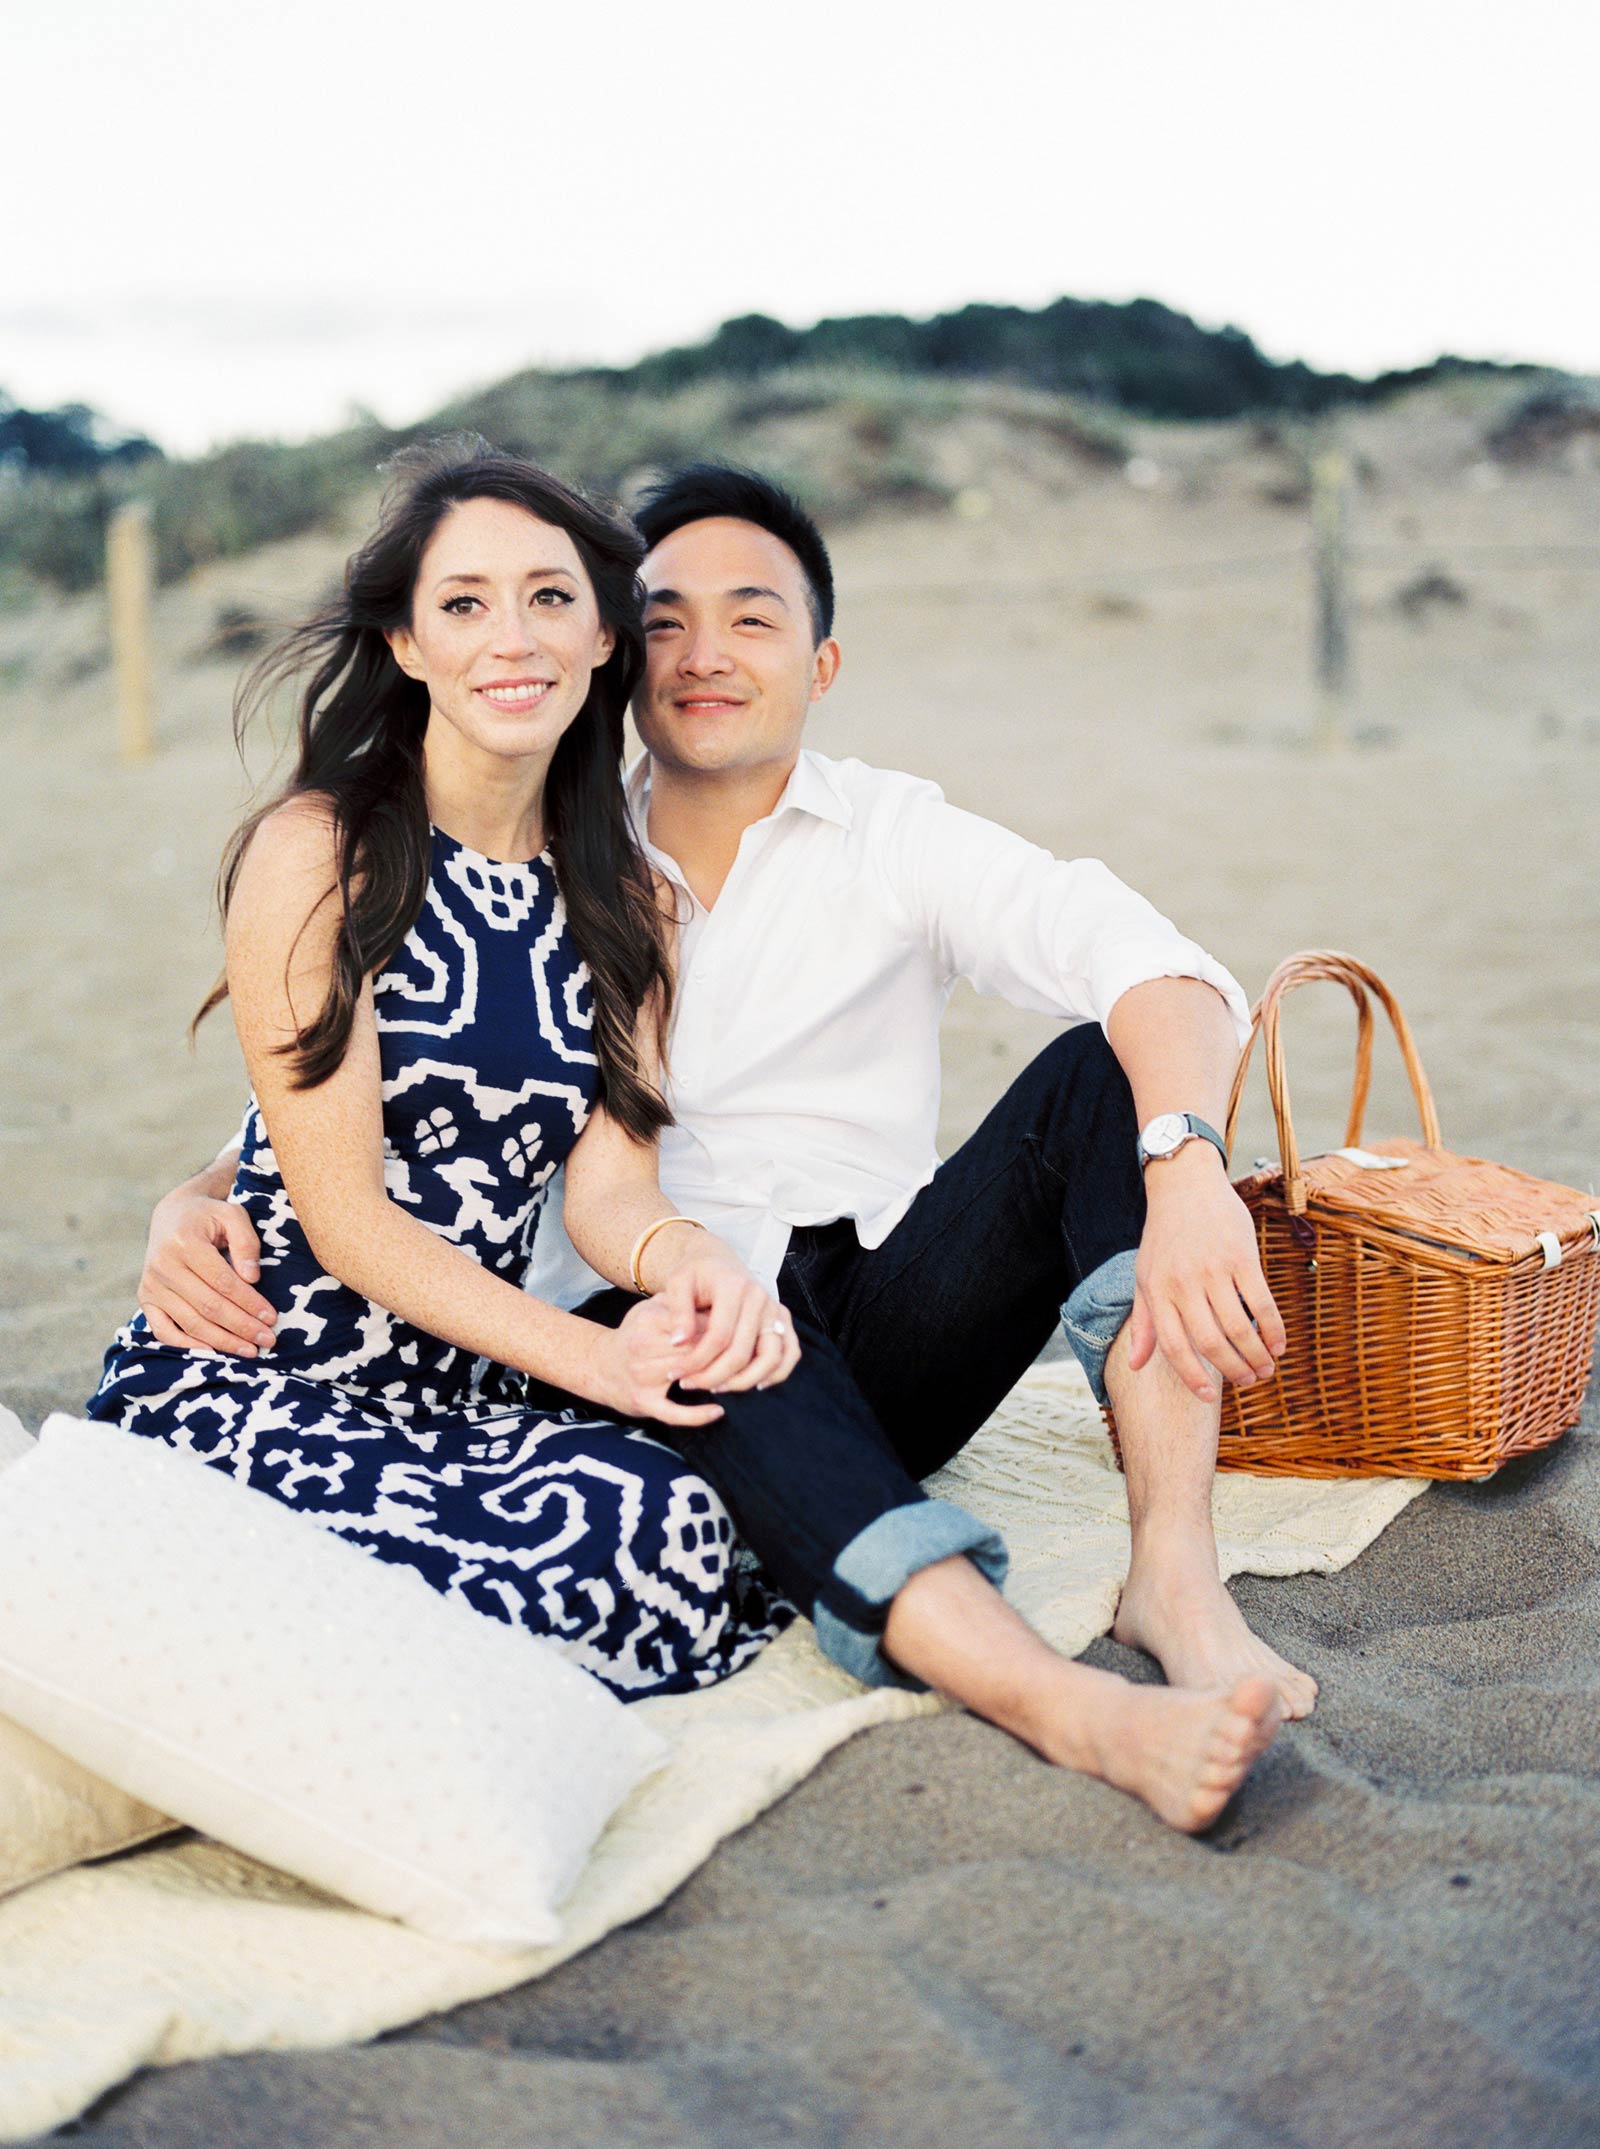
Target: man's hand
x=1198 y=1279
x=200 y=1262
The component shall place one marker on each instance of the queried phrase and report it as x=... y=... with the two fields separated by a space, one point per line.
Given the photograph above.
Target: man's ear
x=403 y=649
x=825 y=667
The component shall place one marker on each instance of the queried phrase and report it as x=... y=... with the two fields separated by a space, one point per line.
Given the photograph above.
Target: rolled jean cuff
x=1095 y=1314
x=853 y=1609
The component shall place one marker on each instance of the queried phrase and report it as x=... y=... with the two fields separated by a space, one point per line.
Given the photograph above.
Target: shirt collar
x=813 y=788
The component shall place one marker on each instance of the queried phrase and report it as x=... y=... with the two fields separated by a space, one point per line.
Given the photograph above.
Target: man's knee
x=1083 y=1097
x=1082 y=1054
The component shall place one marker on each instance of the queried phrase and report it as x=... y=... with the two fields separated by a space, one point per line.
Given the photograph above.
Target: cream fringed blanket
x=172 y=1953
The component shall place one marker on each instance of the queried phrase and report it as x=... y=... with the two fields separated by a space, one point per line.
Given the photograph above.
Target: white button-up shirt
x=804 y=1054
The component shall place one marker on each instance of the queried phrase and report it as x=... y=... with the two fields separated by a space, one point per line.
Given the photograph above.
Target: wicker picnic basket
x=1440 y=1310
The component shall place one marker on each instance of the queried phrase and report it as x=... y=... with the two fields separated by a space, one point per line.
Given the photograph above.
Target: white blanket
x=177 y=1952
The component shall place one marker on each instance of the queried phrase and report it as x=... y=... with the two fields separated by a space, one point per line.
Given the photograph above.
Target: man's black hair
x=704 y=490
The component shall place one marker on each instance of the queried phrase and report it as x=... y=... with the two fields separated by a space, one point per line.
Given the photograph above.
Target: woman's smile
x=517 y=695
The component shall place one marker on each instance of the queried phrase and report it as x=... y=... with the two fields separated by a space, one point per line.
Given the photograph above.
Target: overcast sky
x=247 y=219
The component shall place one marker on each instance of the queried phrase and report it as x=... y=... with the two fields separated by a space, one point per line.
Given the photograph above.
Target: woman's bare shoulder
x=301 y=827
x=297 y=836
x=289 y=866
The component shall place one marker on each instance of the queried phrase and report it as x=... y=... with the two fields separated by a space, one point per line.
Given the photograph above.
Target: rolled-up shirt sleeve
x=1057 y=936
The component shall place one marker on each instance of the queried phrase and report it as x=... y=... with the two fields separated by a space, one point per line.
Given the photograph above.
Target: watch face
x=1164 y=1134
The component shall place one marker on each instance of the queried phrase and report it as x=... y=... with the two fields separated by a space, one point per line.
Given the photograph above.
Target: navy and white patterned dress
x=497 y=1490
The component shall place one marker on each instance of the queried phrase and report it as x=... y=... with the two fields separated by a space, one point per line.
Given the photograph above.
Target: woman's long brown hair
x=361 y=727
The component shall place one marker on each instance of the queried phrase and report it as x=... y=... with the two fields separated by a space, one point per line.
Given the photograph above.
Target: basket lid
x=1466 y=1204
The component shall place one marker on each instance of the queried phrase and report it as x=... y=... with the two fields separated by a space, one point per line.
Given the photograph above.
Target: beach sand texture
x=1394 y=1936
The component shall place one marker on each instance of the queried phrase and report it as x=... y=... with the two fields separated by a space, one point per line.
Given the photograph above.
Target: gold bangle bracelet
x=643 y=1240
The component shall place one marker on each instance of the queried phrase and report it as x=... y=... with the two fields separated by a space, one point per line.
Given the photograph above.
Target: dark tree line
x=1141 y=356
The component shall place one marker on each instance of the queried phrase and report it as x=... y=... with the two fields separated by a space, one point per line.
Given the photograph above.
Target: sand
x=1394 y=1936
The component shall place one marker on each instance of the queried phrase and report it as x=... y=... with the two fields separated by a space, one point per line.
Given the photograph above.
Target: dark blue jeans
x=907 y=1347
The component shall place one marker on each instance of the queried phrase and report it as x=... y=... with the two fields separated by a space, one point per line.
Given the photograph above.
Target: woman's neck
x=491 y=804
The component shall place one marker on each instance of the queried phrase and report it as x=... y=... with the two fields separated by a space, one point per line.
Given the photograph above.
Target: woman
x=448 y=971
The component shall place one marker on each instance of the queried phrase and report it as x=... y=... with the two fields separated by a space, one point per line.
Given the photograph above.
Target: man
x=825 y=910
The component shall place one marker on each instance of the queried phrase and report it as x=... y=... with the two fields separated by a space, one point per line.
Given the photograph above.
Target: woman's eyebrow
x=534 y=574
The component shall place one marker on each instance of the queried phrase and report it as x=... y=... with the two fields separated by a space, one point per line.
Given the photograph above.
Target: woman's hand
x=737 y=1335
x=636 y=1363
x=200 y=1262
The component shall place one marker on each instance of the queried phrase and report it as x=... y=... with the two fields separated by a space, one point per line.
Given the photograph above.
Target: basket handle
x=1318 y=965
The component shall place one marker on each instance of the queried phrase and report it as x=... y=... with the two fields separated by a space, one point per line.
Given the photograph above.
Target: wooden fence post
x=1330 y=515
x=130 y=585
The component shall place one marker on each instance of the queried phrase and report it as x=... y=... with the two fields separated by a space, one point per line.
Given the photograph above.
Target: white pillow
x=54 y=1814
x=242 y=1668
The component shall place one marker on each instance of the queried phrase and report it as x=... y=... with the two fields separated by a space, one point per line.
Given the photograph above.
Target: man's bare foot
x=1184 y=1754
x=1197 y=1634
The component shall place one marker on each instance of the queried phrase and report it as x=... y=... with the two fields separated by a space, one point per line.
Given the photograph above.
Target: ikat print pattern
x=497 y=1490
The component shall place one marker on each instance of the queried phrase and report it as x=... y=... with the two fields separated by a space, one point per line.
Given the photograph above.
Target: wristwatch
x=1168 y=1131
